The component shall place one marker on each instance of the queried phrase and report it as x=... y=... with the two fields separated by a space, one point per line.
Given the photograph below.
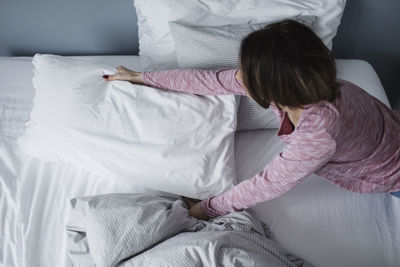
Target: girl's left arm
x=304 y=155
x=196 y=81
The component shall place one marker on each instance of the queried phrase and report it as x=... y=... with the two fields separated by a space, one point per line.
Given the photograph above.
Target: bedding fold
x=156 y=230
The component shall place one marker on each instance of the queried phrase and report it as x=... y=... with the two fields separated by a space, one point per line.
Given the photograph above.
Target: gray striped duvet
x=156 y=230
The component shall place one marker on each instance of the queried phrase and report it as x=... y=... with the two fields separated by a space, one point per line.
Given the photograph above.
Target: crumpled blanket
x=156 y=230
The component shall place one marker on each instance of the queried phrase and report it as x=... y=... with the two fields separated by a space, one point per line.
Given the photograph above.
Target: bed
x=317 y=221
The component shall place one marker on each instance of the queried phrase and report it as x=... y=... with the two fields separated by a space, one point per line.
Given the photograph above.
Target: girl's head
x=286 y=63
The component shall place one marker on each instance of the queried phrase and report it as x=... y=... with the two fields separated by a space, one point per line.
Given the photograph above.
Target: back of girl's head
x=288 y=64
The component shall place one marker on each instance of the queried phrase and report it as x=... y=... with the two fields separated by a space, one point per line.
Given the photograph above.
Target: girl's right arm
x=195 y=81
x=309 y=150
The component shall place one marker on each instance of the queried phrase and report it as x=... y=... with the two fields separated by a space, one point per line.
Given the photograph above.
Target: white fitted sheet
x=316 y=220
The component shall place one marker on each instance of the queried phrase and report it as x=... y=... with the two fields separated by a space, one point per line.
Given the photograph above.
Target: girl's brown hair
x=287 y=63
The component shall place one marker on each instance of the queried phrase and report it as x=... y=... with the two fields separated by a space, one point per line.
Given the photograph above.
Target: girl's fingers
x=188 y=201
x=121 y=68
x=122 y=74
x=194 y=200
x=112 y=77
x=107 y=77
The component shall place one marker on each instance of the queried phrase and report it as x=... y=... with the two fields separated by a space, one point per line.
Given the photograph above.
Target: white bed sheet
x=316 y=220
x=34 y=195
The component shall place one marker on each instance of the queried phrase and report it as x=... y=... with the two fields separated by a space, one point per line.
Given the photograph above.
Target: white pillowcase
x=169 y=141
x=156 y=45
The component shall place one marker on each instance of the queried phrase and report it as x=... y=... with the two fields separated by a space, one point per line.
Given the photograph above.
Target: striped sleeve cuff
x=207 y=209
x=145 y=78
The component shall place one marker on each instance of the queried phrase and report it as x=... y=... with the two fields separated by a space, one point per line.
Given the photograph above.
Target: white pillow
x=169 y=141
x=215 y=47
x=156 y=45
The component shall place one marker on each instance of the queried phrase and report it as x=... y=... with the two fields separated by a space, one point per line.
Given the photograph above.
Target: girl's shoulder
x=328 y=114
x=320 y=115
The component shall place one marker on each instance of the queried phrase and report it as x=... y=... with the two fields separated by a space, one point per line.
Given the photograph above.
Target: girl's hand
x=125 y=74
x=195 y=209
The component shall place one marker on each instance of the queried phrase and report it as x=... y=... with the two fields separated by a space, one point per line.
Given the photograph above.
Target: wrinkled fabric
x=154 y=230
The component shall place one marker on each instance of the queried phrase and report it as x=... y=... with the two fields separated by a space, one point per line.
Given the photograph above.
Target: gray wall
x=369 y=31
x=67 y=27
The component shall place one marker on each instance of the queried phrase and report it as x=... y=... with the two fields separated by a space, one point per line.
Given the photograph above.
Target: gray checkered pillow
x=217 y=47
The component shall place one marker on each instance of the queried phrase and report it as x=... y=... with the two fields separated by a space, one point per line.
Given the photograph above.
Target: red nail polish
x=105 y=76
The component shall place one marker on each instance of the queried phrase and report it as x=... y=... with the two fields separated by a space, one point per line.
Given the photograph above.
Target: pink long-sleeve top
x=353 y=142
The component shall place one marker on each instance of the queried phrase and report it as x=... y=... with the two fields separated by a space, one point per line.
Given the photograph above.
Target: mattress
x=316 y=220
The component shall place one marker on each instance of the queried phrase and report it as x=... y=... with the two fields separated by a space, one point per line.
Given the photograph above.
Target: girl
x=331 y=127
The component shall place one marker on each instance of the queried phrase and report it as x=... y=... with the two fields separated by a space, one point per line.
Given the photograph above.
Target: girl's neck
x=294 y=115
